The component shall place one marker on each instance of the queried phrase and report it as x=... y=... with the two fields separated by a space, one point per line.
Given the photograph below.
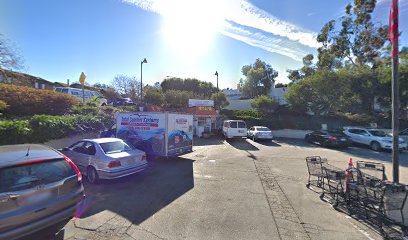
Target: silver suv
x=374 y=138
x=39 y=188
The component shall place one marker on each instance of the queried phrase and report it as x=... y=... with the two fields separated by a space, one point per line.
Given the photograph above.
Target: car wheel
x=92 y=176
x=375 y=146
x=253 y=138
x=307 y=138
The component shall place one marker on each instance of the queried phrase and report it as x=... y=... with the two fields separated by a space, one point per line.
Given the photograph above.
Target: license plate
x=241 y=131
x=343 y=139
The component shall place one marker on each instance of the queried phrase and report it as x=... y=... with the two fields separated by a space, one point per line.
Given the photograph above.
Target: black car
x=122 y=102
x=329 y=138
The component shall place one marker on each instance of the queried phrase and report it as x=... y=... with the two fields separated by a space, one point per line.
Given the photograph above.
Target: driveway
x=238 y=189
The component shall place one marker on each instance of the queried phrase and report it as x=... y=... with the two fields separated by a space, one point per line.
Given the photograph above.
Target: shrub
x=13 y=132
x=264 y=104
x=3 y=106
x=47 y=127
x=30 y=101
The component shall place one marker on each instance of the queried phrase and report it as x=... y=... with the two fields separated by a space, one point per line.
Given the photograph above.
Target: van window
x=233 y=124
x=75 y=93
x=58 y=89
x=65 y=90
x=241 y=125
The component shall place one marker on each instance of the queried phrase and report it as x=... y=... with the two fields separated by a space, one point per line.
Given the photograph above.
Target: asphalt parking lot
x=238 y=189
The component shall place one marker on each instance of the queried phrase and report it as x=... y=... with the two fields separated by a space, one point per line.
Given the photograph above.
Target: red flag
x=393 y=24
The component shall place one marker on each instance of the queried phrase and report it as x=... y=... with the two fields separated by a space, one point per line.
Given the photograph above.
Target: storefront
x=206 y=120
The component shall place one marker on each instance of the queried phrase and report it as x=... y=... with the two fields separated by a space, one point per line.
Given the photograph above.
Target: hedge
x=30 y=101
x=42 y=128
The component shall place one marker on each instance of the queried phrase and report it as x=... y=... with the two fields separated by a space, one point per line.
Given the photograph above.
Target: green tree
x=307 y=70
x=323 y=92
x=264 y=104
x=259 y=78
x=358 y=41
x=220 y=100
x=177 y=99
x=154 y=96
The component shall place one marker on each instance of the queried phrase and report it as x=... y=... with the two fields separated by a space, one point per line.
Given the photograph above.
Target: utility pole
x=395 y=90
x=216 y=74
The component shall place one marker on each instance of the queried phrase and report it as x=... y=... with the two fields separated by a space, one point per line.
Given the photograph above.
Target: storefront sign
x=200 y=103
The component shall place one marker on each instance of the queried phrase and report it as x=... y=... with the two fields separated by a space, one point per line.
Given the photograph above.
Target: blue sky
x=180 y=38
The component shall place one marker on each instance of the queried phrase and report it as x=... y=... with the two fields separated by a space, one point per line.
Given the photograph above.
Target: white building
x=233 y=96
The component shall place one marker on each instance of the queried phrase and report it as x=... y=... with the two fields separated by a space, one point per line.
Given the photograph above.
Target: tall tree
x=259 y=78
x=358 y=41
x=9 y=58
x=307 y=70
x=127 y=86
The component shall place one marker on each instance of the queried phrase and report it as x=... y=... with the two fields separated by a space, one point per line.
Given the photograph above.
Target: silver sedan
x=105 y=158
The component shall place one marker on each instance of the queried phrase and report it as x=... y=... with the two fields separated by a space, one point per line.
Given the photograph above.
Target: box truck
x=156 y=133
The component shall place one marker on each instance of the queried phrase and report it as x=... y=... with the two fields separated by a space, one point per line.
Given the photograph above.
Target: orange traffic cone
x=349 y=174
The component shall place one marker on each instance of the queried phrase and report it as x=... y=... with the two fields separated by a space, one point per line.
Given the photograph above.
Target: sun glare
x=190 y=26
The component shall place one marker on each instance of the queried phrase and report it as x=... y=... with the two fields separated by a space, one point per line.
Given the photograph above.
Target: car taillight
x=78 y=173
x=332 y=138
x=114 y=164
x=144 y=158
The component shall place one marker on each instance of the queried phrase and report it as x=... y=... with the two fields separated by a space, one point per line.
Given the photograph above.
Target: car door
x=78 y=154
x=366 y=137
x=404 y=135
x=355 y=135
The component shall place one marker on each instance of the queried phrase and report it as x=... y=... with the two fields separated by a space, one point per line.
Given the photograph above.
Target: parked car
x=121 y=102
x=39 y=189
x=404 y=135
x=374 y=138
x=329 y=138
x=234 y=128
x=259 y=132
x=106 y=158
x=76 y=92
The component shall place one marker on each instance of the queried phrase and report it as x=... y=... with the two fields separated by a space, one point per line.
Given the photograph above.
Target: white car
x=105 y=158
x=374 y=138
x=234 y=128
x=259 y=132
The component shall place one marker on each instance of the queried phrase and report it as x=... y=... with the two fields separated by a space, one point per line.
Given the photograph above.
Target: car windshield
x=115 y=147
x=378 y=133
x=262 y=129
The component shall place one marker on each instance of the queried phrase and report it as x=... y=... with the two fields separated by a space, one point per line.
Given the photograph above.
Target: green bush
x=47 y=127
x=3 y=106
x=13 y=132
x=30 y=101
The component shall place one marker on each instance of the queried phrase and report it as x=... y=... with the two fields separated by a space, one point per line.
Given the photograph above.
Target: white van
x=234 y=128
x=76 y=92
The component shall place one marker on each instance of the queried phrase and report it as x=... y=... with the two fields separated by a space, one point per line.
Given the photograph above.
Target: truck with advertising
x=156 y=133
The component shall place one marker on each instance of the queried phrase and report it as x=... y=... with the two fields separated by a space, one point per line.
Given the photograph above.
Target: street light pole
x=141 y=79
x=216 y=74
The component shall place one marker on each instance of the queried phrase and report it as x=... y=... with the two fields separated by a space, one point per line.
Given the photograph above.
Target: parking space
x=236 y=189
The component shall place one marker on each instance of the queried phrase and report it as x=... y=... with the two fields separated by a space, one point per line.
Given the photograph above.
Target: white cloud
x=267 y=31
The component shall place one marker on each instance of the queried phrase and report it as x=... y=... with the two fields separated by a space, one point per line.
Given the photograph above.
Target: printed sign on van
x=200 y=103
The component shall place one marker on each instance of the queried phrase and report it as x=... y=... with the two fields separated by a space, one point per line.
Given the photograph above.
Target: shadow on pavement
x=268 y=143
x=242 y=144
x=139 y=196
x=213 y=140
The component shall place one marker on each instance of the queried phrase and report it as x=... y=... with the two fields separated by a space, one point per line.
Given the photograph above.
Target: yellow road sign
x=82 y=78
